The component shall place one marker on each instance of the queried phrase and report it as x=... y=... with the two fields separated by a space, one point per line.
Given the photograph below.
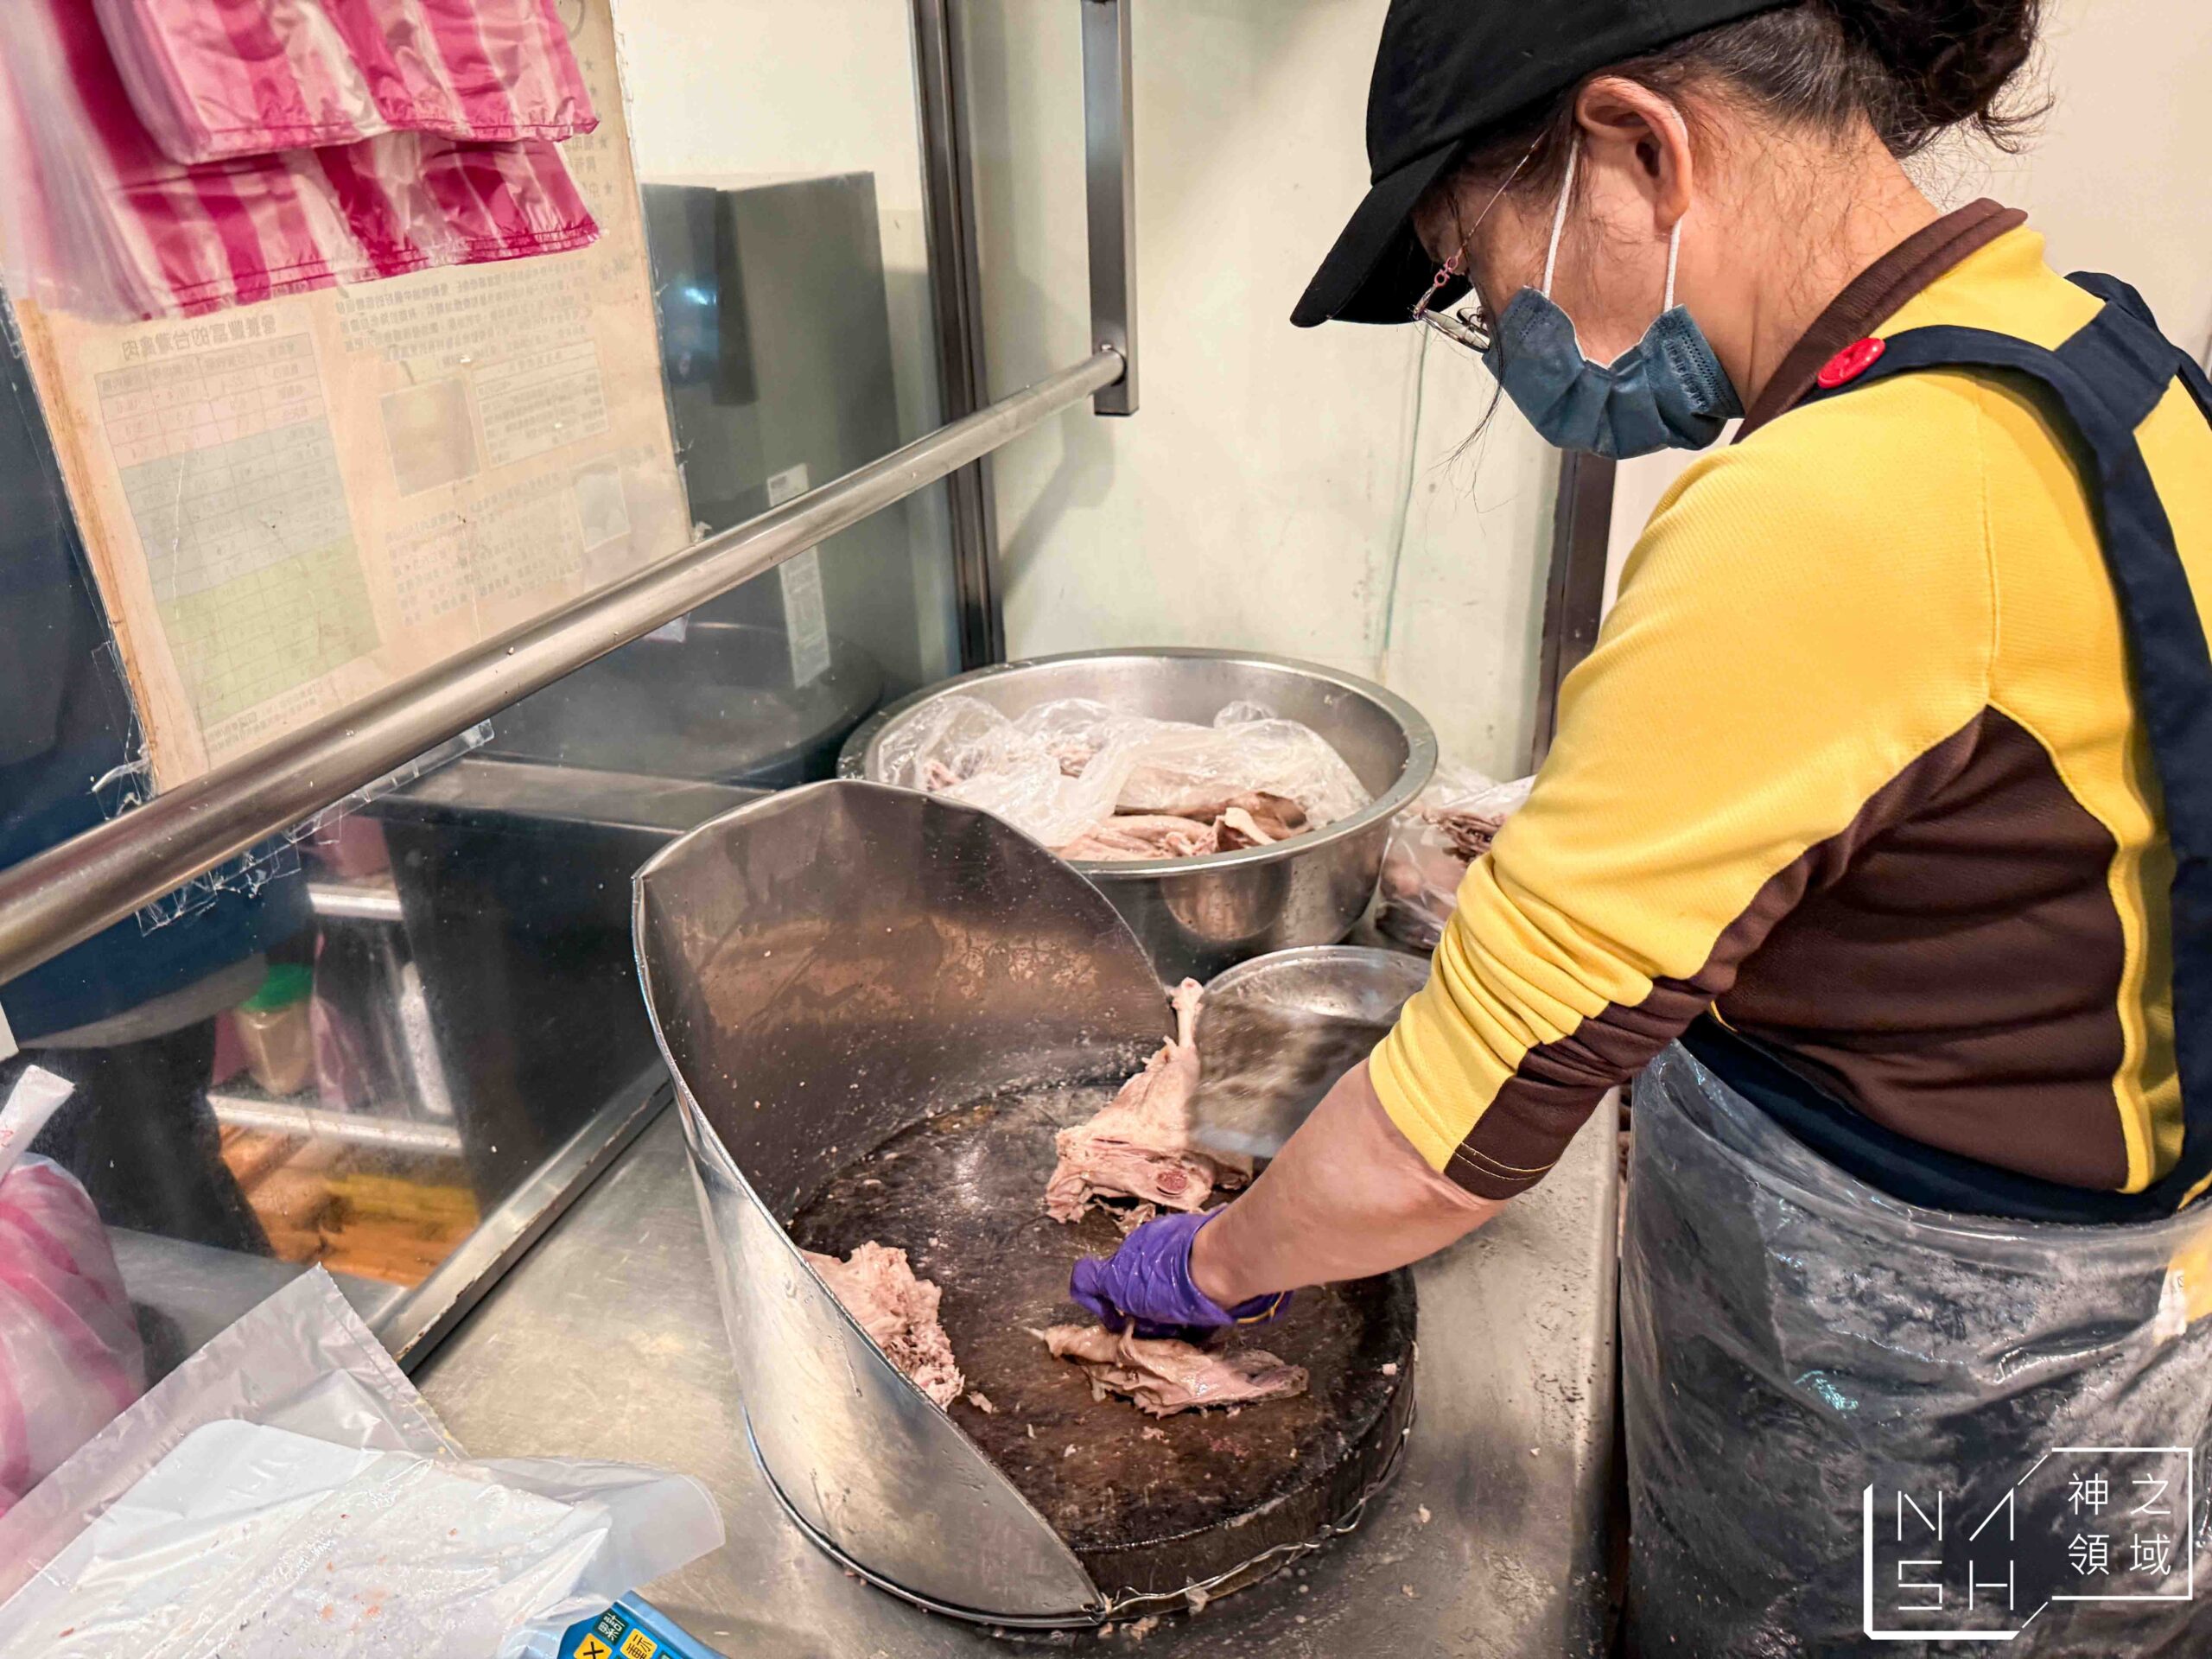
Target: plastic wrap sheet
x=293 y=1427
x=1433 y=842
x=1063 y=768
x=1794 y=1339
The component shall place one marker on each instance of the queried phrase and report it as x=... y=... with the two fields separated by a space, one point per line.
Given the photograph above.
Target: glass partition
x=393 y=1045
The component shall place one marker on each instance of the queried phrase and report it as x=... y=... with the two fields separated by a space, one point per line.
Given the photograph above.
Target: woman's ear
x=1633 y=127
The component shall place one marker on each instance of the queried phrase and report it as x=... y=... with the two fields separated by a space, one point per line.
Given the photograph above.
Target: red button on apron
x=1850 y=363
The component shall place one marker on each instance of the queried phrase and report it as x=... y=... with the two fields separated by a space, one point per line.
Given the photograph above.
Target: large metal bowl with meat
x=1198 y=916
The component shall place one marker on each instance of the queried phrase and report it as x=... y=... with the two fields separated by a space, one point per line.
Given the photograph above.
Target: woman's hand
x=1147 y=1282
x=1347 y=1197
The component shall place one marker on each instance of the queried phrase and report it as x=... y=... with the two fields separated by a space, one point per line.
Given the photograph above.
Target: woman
x=1872 y=792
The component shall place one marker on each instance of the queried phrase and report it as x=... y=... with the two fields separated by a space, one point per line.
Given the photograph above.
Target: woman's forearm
x=1347 y=1197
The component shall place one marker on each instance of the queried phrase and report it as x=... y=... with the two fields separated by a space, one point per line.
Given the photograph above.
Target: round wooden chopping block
x=1150 y=1505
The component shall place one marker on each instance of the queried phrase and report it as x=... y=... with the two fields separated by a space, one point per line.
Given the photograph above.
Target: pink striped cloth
x=214 y=79
x=99 y=221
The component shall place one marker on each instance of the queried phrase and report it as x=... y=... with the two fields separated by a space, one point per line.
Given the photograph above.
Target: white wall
x=1273 y=481
x=2120 y=177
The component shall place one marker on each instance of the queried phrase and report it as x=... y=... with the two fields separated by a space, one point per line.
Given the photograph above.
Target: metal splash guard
x=824 y=969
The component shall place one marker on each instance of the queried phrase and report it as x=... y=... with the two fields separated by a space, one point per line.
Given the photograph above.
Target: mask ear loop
x=1559 y=217
x=1558 y=227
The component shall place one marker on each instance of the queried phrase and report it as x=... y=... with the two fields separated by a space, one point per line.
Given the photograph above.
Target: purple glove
x=1147 y=1282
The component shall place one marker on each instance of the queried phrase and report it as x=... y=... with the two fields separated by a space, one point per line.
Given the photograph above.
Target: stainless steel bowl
x=1351 y=984
x=1198 y=916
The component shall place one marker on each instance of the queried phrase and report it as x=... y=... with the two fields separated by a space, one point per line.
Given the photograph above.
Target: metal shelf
x=355 y=901
x=236 y=1110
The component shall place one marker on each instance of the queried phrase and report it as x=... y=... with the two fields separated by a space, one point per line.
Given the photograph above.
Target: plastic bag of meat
x=1449 y=825
x=70 y=1357
x=961 y=748
x=1196 y=771
x=1094 y=784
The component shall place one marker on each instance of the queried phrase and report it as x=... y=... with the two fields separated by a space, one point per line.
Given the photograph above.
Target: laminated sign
x=292 y=503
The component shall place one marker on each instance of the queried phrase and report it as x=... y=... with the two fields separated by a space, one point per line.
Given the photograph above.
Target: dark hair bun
x=1947 y=62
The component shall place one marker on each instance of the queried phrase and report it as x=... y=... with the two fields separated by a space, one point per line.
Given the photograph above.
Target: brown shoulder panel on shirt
x=1993 y=1030
x=1874 y=296
x=1515 y=1143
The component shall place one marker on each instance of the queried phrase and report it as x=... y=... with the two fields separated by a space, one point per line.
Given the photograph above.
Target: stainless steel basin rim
x=1198 y=916
x=861 y=749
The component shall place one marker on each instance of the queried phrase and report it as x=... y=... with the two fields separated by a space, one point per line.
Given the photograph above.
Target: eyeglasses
x=1469 y=326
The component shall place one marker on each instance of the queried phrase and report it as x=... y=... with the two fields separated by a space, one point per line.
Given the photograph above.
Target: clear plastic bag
x=1063 y=768
x=1794 y=1340
x=185 y=1509
x=70 y=1355
x=1432 y=841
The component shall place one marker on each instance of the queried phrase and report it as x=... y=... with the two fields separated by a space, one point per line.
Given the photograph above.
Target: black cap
x=1447 y=69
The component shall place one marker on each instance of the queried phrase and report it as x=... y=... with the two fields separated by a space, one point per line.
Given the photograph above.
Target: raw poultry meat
x=1276 y=814
x=1468 y=831
x=898 y=1312
x=1213 y=825
x=1161 y=1376
x=1139 y=1146
x=1238 y=829
x=1073 y=771
x=1142 y=836
x=1271 y=818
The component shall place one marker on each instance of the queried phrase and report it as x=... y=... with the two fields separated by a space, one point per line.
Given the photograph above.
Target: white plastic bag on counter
x=70 y=1355
x=295 y=1428
x=1063 y=768
x=1449 y=825
x=302 y=1360
x=258 y=1543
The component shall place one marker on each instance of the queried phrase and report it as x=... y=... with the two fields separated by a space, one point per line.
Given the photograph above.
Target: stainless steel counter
x=607 y=1342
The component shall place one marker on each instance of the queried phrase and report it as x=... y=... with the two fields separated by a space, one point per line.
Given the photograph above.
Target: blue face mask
x=1667 y=392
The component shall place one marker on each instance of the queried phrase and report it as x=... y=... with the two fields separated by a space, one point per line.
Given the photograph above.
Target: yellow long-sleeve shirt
x=1855 y=763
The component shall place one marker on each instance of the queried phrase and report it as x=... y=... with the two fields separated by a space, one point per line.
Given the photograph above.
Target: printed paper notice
x=289 y=506
x=806 y=616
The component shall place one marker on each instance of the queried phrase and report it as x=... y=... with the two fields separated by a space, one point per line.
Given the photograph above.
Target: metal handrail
x=70 y=891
